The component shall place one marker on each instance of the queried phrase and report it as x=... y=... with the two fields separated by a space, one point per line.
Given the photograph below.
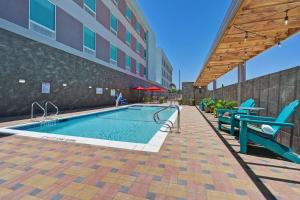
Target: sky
x=186 y=30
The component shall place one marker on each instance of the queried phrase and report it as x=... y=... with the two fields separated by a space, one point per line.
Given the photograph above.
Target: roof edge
x=229 y=17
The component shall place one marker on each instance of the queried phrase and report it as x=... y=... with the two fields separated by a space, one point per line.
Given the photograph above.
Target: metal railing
x=53 y=105
x=41 y=107
x=171 y=124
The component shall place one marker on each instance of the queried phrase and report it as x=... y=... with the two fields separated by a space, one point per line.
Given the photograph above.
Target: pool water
x=131 y=124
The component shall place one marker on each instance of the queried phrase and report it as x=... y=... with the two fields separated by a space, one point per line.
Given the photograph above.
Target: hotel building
x=85 y=49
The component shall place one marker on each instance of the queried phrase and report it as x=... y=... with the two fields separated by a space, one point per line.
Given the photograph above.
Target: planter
x=207 y=109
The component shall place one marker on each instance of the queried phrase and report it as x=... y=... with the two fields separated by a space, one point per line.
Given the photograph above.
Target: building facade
x=165 y=69
x=160 y=68
x=66 y=44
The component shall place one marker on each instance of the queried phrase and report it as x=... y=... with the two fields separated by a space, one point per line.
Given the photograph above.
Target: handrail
x=156 y=115
x=46 y=108
x=41 y=107
x=178 y=116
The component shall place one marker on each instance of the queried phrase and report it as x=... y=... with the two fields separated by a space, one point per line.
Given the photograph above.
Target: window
x=42 y=17
x=90 y=5
x=128 y=13
x=138 y=68
x=128 y=63
x=128 y=38
x=145 y=36
x=138 y=27
x=137 y=47
x=145 y=71
x=113 y=53
x=88 y=41
x=145 y=53
x=113 y=24
x=116 y=2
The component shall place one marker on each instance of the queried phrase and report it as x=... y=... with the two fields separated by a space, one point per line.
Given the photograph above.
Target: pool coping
x=153 y=145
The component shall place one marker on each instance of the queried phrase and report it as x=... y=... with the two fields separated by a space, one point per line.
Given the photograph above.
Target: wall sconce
x=22 y=81
x=64 y=85
x=106 y=88
x=90 y=87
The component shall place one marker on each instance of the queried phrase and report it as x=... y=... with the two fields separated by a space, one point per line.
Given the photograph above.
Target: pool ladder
x=45 y=117
x=168 y=124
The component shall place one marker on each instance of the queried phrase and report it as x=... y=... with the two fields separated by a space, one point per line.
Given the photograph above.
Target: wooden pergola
x=250 y=27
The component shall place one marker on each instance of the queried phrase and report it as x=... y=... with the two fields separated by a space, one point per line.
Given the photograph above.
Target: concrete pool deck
x=194 y=164
x=280 y=179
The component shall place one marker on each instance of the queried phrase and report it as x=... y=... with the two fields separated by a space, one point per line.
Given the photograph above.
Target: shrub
x=146 y=99
x=180 y=102
x=161 y=99
x=192 y=102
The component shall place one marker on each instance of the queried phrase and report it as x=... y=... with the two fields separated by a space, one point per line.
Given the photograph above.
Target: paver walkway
x=192 y=165
x=279 y=177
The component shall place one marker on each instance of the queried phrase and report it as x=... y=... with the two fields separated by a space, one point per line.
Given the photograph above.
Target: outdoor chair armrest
x=254 y=117
x=267 y=122
x=222 y=111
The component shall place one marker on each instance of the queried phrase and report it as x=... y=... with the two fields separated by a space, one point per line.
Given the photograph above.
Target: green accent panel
x=43 y=12
x=116 y=2
x=128 y=63
x=128 y=37
x=91 y=4
x=113 y=22
x=138 y=27
x=138 y=47
x=138 y=68
x=128 y=13
x=88 y=38
x=113 y=52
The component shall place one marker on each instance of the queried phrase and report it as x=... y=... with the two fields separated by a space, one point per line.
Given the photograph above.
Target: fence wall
x=272 y=92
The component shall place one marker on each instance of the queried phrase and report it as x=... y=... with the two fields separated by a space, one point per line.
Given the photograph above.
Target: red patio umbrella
x=153 y=89
x=139 y=88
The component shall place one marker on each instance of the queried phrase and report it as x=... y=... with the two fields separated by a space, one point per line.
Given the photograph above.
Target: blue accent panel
x=91 y=4
x=43 y=12
x=88 y=38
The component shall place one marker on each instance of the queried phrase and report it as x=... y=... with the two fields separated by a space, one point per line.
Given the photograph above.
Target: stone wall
x=272 y=92
x=22 y=58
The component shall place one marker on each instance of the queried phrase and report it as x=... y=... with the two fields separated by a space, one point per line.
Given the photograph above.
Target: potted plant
x=209 y=105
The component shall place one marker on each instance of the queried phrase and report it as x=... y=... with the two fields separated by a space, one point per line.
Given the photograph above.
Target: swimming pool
x=129 y=127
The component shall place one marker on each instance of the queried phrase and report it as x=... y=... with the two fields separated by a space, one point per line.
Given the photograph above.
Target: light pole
x=179 y=80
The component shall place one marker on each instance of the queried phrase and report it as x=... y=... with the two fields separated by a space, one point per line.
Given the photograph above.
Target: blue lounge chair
x=227 y=116
x=267 y=139
x=122 y=101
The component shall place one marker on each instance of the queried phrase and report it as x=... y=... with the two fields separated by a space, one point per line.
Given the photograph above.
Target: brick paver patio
x=280 y=178
x=192 y=165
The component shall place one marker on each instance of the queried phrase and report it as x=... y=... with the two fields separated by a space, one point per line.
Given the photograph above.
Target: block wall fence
x=272 y=92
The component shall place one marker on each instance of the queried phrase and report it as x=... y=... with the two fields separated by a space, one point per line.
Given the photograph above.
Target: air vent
x=42 y=30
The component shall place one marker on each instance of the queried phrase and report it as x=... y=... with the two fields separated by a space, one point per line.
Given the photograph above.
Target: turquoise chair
x=227 y=116
x=250 y=132
x=201 y=105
